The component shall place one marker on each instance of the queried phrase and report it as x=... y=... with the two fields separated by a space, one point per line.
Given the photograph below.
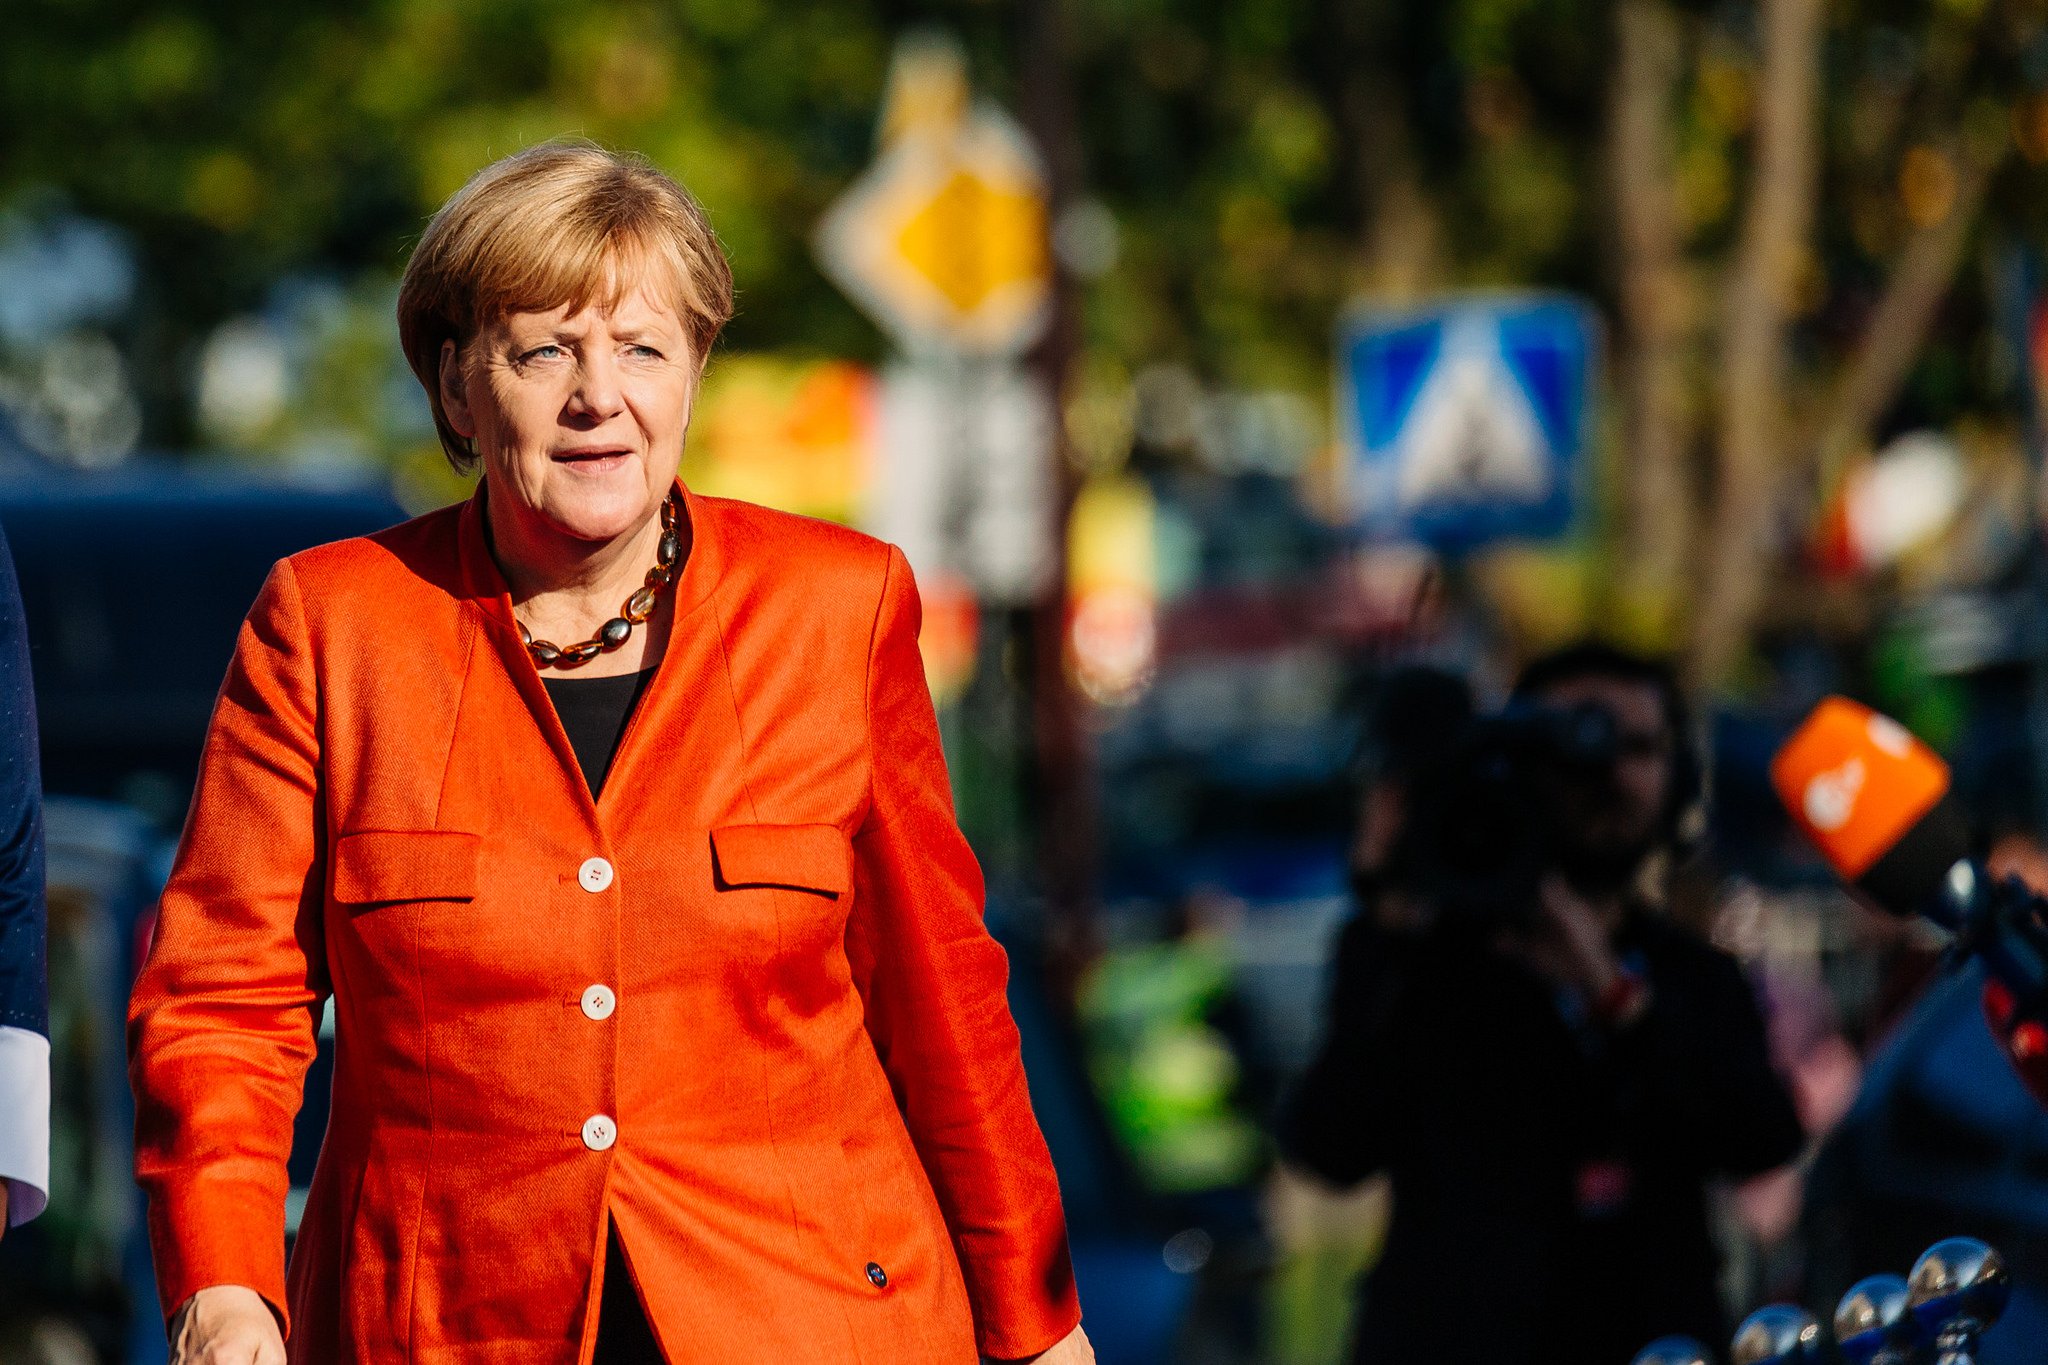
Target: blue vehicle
x=135 y=583
x=1943 y=1141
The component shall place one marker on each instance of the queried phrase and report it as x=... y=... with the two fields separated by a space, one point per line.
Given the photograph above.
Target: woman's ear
x=455 y=392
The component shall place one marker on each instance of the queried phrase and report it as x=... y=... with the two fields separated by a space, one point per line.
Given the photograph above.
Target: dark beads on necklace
x=615 y=632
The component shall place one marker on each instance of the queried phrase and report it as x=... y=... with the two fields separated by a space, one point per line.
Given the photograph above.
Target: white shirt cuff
x=24 y=1121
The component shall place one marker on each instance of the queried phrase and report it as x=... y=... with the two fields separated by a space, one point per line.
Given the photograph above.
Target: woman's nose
x=597 y=396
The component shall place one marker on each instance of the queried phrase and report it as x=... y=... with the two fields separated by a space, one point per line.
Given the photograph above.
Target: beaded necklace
x=638 y=608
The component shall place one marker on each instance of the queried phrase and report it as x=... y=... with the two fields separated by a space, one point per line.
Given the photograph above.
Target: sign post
x=943 y=242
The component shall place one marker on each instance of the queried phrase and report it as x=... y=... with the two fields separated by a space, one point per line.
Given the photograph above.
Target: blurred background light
x=59 y=273
x=244 y=382
x=1086 y=239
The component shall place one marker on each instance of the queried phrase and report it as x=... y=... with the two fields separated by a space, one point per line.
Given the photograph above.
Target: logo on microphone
x=1857 y=782
x=1831 y=796
x=1890 y=736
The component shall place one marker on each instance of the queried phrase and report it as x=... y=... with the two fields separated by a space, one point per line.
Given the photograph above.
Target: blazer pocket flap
x=815 y=858
x=405 y=865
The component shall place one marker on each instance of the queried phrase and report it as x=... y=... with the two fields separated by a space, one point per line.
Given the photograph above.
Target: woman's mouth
x=595 y=460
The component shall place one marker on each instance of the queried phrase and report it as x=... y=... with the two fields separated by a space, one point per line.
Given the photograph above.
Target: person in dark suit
x=1550 y=1089
x=24 y=983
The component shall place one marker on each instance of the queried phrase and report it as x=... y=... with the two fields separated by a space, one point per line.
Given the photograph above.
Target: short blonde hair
x=554 y=225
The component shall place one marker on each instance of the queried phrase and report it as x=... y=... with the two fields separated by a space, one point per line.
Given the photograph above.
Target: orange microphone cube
x=1856 y=782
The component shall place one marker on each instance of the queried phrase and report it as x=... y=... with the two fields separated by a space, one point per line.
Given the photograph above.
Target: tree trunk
x=1399 y=238
x=1657 y=527
x=1898 y=327
x=1776 y=223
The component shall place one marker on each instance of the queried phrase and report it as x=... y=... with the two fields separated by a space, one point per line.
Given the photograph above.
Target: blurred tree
x=1774 y=198
x=241 y=144
x=1760 y=300
x=1659 y=492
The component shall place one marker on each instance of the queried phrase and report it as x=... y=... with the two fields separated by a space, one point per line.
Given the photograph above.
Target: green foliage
x=1244 y=147
x=241 y=144
x=1933 y=707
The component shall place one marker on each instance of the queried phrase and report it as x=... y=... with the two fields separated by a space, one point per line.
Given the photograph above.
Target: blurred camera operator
x=1548 y=1070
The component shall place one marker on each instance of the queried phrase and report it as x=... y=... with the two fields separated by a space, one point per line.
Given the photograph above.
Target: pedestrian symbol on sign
x=1466 y=421
x=1471 y=429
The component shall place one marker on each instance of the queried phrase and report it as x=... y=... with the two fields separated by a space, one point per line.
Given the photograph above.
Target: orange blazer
x=744 y=1005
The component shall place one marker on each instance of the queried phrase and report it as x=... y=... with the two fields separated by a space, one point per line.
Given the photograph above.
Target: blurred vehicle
x=135 y=582
x=1942 y=1141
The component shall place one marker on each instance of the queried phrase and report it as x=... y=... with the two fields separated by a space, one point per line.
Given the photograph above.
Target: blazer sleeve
x=932 y=980
x=224 y=1018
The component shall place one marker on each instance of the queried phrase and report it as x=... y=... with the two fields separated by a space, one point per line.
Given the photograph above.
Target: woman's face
x=579 y=417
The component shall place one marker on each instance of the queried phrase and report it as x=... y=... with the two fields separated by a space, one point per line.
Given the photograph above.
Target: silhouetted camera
x=1486 y=819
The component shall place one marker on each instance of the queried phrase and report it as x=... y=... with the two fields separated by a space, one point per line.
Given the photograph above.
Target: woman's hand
x=1073 y=1349
x=225 y=1324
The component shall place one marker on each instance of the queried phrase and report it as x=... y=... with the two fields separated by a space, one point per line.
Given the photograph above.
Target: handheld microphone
x=1876 y=802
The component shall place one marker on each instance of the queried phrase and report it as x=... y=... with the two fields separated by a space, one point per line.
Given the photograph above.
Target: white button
x=599 y=1133
x=595 y=874
x=599 y=1002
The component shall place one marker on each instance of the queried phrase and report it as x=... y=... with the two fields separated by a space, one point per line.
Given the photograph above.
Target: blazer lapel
x=486 y=594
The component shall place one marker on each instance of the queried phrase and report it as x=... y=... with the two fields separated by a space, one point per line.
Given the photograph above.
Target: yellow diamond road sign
x=943 y=240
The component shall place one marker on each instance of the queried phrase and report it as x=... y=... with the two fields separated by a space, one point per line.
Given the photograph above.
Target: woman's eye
x=542 y=353
x=647 y=351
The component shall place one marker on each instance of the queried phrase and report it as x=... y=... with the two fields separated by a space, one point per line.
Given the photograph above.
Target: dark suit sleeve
x=1335 y=1122
x=24 y=984
x=932 y=981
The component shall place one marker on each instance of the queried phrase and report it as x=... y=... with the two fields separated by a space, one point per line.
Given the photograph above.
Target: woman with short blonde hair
x=614 y=822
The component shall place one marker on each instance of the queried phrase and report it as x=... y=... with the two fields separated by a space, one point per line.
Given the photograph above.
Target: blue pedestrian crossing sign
x=1468 y=420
